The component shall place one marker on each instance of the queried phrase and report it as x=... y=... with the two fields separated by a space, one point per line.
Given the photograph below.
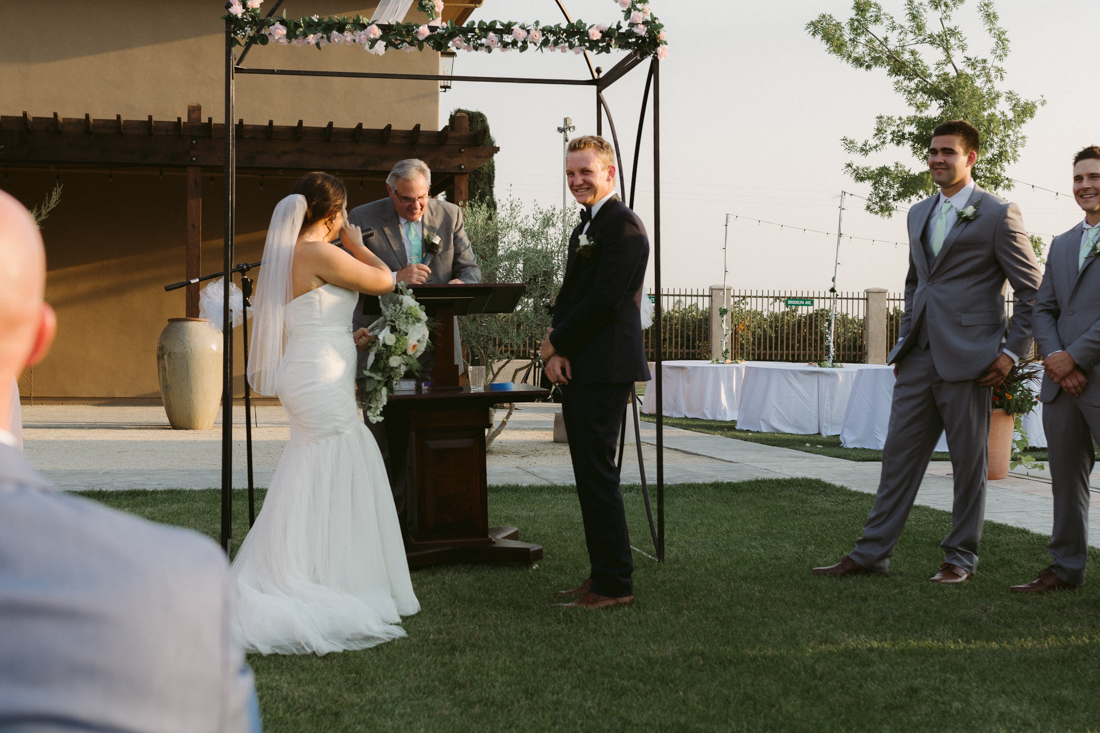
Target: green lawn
x=823 y=445
x=733 y=632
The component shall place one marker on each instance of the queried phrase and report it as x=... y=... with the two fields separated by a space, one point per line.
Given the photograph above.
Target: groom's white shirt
x=596 y=208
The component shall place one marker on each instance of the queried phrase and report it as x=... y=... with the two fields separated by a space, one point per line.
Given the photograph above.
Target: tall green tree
x=929 y=60
x=483 y=179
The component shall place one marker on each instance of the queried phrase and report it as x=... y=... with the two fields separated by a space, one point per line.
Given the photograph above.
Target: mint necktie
x=415 y=243
x=940 y=232
x=1089 y=242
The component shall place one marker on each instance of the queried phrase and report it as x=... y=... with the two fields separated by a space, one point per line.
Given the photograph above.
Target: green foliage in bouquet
x=400 y=336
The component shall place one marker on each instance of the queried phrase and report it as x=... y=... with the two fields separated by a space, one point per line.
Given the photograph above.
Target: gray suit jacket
x=1067 y=313
x=960 y=297
x=110 y=622
x=455 y=259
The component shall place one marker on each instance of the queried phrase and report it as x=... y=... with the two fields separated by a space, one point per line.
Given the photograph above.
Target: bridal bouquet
x=400 y=335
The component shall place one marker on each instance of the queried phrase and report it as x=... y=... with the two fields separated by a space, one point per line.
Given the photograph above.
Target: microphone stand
x=246 y=293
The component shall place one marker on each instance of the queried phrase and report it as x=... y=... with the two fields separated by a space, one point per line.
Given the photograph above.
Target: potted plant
x=1012 y=399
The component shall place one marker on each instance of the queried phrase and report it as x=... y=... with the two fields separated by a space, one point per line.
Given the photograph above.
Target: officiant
x=423 y=240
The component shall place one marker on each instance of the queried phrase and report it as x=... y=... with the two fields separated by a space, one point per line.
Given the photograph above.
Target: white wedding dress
x=323 y=569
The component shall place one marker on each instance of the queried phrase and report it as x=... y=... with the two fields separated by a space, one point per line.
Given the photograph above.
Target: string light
x=1040 y=188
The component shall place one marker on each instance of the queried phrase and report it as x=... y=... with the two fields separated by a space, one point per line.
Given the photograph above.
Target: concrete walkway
x=90 y=447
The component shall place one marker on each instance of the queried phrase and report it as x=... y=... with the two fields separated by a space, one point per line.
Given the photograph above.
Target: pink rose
x=423 y=32
x=519 y=34
x=639 y=29
x=601 y=27
x=438 y=6
x=277 y=31
x=253 y=4
x=636 y=17
x=492 y=40
x=535 y=36
x=236 y=9
x=373 y=32
x=457 y=43
x=662 y=36
x=662 y=52
x=435 y=22
x=578 y=50
x=310 y=39
x=594 y=34
x=337 y=37
x=624 y=3
x=645 y=9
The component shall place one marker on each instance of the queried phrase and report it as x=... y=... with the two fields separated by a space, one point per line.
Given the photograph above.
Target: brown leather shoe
x=951 y=575
x=591 y=601
x=577 y=592
x=1045 y=583
x=846 y=566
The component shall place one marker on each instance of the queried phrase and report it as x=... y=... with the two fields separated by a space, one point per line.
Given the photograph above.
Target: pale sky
x=753 y=110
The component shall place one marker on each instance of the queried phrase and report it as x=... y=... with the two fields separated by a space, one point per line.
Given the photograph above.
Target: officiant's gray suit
x=109 y=622
x=1067 y=318
x=953 y=329
x=455 y=259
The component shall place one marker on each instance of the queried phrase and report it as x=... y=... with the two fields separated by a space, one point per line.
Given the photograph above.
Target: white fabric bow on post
x=388 y=11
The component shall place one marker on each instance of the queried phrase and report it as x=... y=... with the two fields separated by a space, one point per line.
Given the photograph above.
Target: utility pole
x=566 y=128
x=836 y=264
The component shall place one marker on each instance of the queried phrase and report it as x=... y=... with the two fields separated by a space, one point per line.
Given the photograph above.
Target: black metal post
x=246 y=299
x=656 y=67
x=227 y=324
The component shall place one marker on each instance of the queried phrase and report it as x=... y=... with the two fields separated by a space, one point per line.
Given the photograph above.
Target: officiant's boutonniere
x=970 y=213
x=586 y=244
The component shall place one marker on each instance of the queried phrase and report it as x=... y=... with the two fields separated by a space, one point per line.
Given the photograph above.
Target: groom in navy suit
x=594 y=352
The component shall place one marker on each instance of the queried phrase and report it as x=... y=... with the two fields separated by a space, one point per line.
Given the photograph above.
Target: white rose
x=390 y=339
x=395 y=361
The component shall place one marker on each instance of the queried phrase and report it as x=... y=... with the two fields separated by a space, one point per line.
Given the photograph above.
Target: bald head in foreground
x=110 y=623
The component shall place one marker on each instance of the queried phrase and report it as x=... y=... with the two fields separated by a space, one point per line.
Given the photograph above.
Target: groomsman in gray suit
x=107 y=622
x=1067 y=330
x=964 y=244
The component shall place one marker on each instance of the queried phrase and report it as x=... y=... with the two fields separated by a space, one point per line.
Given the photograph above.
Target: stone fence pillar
x=716 y=321
x=874 y=327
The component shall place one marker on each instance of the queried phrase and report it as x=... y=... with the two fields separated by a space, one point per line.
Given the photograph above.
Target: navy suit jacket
x=597 y=324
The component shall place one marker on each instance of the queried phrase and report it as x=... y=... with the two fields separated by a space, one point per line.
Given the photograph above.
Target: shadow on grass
x=732 y=632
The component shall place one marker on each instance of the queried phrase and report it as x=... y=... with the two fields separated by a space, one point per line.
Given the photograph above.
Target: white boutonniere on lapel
x=586 y=245
x=970 y=213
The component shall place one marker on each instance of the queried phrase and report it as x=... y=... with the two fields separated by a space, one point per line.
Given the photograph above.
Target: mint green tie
x=416 y=244
x=1089 y=242
x=940 y=232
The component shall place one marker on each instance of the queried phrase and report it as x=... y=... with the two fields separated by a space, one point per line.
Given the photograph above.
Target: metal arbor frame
x=598 y=81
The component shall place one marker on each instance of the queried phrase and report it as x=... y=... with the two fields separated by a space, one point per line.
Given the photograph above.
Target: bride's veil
x=273 y=292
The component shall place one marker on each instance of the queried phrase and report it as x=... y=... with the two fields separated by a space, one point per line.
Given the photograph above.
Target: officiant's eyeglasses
x=409 y=201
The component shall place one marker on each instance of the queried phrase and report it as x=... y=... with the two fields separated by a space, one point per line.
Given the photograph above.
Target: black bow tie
x=586 y=215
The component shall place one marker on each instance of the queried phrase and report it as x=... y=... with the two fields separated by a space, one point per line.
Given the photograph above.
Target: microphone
x=431 y=249
x=367 y=233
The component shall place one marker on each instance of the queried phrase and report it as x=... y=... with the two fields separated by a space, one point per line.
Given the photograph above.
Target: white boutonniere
x=970 y=213
x=585 y=245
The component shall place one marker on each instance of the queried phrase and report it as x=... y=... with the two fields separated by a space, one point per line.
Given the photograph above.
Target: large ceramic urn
x=189 y=364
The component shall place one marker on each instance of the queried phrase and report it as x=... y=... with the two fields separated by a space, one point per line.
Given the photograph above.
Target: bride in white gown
x=323 y=569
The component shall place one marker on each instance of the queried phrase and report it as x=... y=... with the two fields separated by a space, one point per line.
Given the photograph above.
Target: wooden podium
x=448 y=510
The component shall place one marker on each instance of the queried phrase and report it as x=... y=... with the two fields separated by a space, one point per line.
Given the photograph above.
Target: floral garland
x=400 y=336
x=642 y=33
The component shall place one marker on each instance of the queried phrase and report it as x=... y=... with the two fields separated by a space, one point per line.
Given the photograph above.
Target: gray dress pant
x=923 y=406
x=1070 y=426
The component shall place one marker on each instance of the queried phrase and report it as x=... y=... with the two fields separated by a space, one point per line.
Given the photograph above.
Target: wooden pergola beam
x=86 y=142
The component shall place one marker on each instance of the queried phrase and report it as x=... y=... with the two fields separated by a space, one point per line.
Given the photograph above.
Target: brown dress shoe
x=846 y=566
x=1045 y=583
x=591 y=601
x=577 y=592
x=951 y=575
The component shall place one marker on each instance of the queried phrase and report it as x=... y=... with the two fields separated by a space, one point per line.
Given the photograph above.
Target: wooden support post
x=460 y=123
x=194 y=221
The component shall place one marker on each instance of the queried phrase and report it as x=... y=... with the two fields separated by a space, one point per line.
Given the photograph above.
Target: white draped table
x=779 y=397
x=868 y=414
x=697 y=389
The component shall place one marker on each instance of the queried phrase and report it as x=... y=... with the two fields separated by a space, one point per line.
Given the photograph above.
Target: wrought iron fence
x=766 y=325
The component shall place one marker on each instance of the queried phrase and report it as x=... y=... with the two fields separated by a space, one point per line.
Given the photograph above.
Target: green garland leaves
x=639 y=32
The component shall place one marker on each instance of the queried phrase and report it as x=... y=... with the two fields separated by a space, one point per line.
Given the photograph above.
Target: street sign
x=794 y=302
x=652 y=298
